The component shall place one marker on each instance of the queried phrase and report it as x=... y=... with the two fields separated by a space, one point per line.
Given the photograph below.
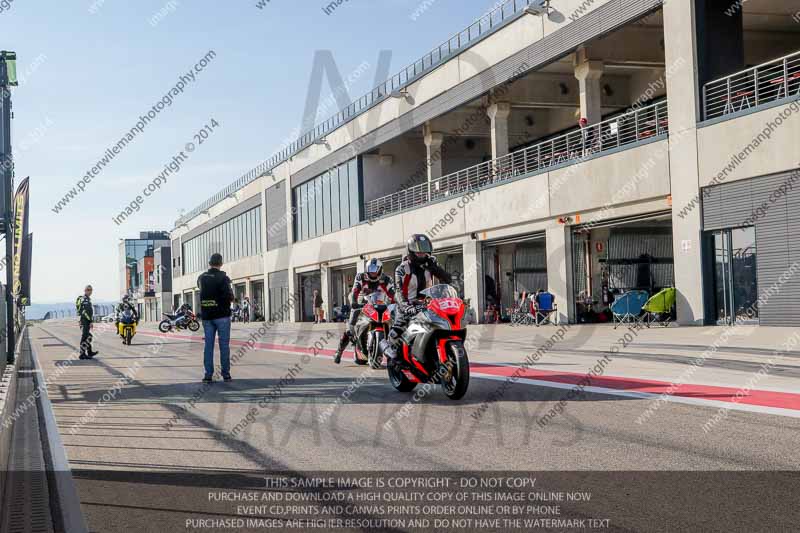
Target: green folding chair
x=658 y=308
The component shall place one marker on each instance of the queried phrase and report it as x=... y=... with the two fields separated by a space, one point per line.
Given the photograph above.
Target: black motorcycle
x=432 y=346
x=179 y=321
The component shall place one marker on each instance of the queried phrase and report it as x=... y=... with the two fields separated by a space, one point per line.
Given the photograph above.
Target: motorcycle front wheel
x=128 y=337
x=456 y=383
x=399 y=380
x=194 y=325
x=375 y=355
x=164 y=326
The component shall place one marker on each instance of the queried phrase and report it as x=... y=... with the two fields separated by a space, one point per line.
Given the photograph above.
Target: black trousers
x=86 y=337
x=354 y=314
x=349 y=332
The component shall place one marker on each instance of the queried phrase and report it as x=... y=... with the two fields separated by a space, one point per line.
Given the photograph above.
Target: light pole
x=8 y=78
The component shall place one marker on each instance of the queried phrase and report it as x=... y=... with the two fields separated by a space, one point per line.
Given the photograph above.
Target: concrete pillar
x=325 y=291
x=294 y=293
x=248 y=292
x=433 y=144
x=498 y=115
x=588 y=72
x=559 y=269
x=684 y=113
x=473 y=277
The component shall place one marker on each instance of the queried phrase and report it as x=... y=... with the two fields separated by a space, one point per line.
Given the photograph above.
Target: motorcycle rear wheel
x=194 y=325
x=456 y=387
x=399 y=380
x=164 y=326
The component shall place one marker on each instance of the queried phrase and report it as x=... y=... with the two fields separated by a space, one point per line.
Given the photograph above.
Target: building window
x=329 y=202
x=235 y=239
x=336 y=224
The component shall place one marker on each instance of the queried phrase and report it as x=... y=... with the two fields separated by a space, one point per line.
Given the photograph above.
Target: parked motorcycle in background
x=180 y=321
x=432 y=346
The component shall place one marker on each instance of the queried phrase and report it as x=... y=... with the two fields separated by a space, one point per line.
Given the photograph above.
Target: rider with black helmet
x=125 y=305
x=413 y=275
x=371 y=280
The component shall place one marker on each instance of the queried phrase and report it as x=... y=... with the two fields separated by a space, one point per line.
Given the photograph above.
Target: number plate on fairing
x=449 y=304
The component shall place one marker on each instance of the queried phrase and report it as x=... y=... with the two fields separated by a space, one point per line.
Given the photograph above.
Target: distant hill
x=37 y=311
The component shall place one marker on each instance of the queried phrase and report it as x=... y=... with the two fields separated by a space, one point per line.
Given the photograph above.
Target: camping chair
x=545 y=306
x=628 y=307
x=658 y=309
x=522 y=315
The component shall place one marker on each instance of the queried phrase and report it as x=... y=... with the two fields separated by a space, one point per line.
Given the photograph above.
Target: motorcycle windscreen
x=440 y=291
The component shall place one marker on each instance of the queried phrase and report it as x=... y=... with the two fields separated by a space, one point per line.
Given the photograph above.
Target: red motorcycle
x=370 y=329
x=432 y=346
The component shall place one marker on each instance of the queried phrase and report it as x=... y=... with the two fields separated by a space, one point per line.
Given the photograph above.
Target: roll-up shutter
x=771 y=204
x=641 y=258
x=530 y=266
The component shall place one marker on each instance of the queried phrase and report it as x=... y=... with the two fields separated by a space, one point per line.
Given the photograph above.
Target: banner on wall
x=25 y=274
x=21 y=208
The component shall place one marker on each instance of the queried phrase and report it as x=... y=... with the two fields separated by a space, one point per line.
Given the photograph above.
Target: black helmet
x=374 y=269
x=419 y=246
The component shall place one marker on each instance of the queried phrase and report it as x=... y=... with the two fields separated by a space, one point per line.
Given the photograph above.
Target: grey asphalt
x=111 y=436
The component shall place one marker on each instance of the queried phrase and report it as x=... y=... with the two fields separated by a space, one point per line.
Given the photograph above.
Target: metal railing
x=575 y=146
x=753 y=87
x=488 y=23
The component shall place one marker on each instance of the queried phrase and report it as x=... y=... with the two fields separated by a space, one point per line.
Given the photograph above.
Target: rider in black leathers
x=371 y=280
x=85 y=310
x=413 y=275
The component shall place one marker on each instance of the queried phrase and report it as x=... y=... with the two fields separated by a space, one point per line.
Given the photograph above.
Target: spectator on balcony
x=587 y=136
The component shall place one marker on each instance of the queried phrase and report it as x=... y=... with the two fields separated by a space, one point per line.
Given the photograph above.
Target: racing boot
x=390 y=346
x=337 y=358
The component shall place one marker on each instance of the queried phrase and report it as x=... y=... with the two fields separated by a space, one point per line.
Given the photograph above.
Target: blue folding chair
x=628 y=307
x=545 y=306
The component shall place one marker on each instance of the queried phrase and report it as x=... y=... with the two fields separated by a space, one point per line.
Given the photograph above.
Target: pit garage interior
x=617 y=256
x=511 y=267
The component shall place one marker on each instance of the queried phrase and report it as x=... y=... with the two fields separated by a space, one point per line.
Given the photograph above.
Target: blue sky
x=89 y=76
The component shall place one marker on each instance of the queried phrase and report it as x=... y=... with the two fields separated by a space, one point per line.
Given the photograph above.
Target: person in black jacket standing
x=216 y=295
x=85 y=318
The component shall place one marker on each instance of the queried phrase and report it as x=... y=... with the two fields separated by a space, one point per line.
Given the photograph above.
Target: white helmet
x=374 y=269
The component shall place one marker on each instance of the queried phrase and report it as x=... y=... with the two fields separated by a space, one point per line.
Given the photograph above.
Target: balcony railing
x=486 y=24
x=578 y=145
x=754 y=87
